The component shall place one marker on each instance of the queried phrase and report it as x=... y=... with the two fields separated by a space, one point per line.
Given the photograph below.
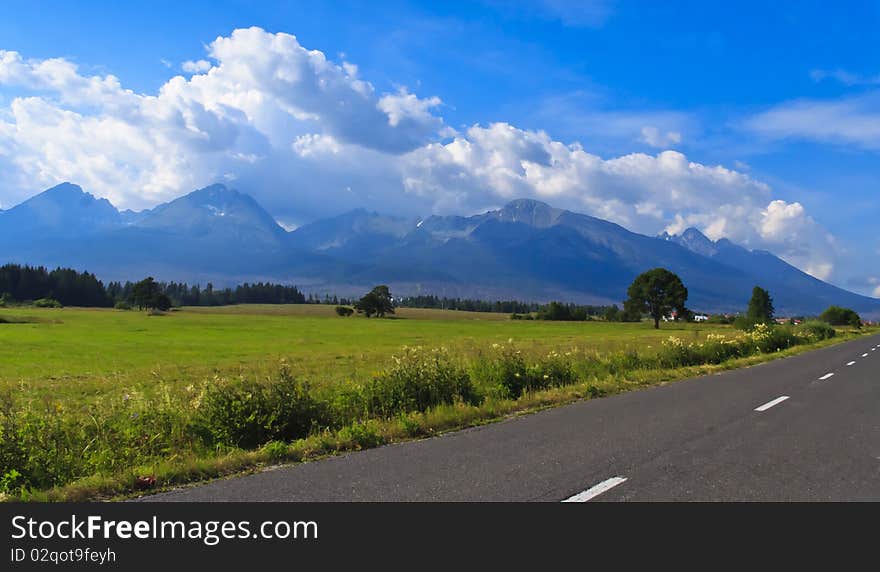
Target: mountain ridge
x=527 y=249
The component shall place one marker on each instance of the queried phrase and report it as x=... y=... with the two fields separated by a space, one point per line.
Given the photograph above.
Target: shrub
x=417 y=381
x=526 y=316
x=248 y=413
x=675 y=352
x=505 y=371
x=344 y=311
x=362 y=435
x=276 y=450
x=508 y=373
x=715 y=349
x=122 y=305
x=625 y=360
x=745 y=323
x=837 y=316
x=553 y=370
x=718 y=348
x=816 y=330
x=47 y=303
x=776 y=338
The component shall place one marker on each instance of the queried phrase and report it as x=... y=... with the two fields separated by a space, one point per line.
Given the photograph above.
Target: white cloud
x=852 y=120
x=308 y=137
x=199 y=66
x=404 y=106
x=876 y=292
x=248 y=113
x=311 y=145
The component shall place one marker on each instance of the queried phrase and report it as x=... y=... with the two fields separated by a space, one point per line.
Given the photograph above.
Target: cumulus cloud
x=308 y=137
x=258 y=105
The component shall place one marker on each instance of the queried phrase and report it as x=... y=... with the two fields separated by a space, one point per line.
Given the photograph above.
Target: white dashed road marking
x=770 y=404
x=864 y=355
x=597 y=490
x=826 y=376
x=851 y=363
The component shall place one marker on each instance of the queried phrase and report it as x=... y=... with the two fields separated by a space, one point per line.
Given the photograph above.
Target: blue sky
x=784 y=94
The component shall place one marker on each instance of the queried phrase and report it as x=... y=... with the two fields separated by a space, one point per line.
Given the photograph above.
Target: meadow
x=97 y=403
x=77 y=353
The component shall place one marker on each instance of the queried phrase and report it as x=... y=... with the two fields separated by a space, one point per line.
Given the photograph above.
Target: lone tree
x=656 y=293
x=147 y=294
x=377 y=301
x=760 y=306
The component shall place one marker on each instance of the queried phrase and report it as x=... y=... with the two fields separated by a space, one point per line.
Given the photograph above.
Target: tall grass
x=45 y=443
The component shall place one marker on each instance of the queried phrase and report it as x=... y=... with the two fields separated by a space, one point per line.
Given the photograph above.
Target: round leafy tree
x=656 y=292
x=377 y=301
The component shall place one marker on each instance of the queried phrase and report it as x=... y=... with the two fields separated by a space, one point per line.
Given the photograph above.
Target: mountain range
x=526 y=250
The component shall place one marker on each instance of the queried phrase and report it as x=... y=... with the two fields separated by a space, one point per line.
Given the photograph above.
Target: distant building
x=700 y=317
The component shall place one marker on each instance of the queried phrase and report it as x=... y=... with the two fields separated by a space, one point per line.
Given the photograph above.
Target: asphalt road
x=724 y=437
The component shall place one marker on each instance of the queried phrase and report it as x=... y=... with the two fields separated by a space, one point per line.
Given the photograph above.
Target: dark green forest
x=72 y=288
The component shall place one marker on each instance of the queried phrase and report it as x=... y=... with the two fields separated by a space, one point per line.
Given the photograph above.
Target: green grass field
x=82 y=352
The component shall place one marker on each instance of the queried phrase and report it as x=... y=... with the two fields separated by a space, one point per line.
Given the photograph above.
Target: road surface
x=800 y=428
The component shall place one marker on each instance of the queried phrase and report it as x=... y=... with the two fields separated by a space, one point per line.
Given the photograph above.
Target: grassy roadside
x=371 y=432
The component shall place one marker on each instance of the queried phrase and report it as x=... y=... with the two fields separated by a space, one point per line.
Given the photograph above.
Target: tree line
x=556 y=311
x=22 y=283
x=67 y=286
x=183 y=294
x=467 y=304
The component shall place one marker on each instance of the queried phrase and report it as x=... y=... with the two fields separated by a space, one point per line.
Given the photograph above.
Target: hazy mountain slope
x=789 y=286
x=60 y=212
